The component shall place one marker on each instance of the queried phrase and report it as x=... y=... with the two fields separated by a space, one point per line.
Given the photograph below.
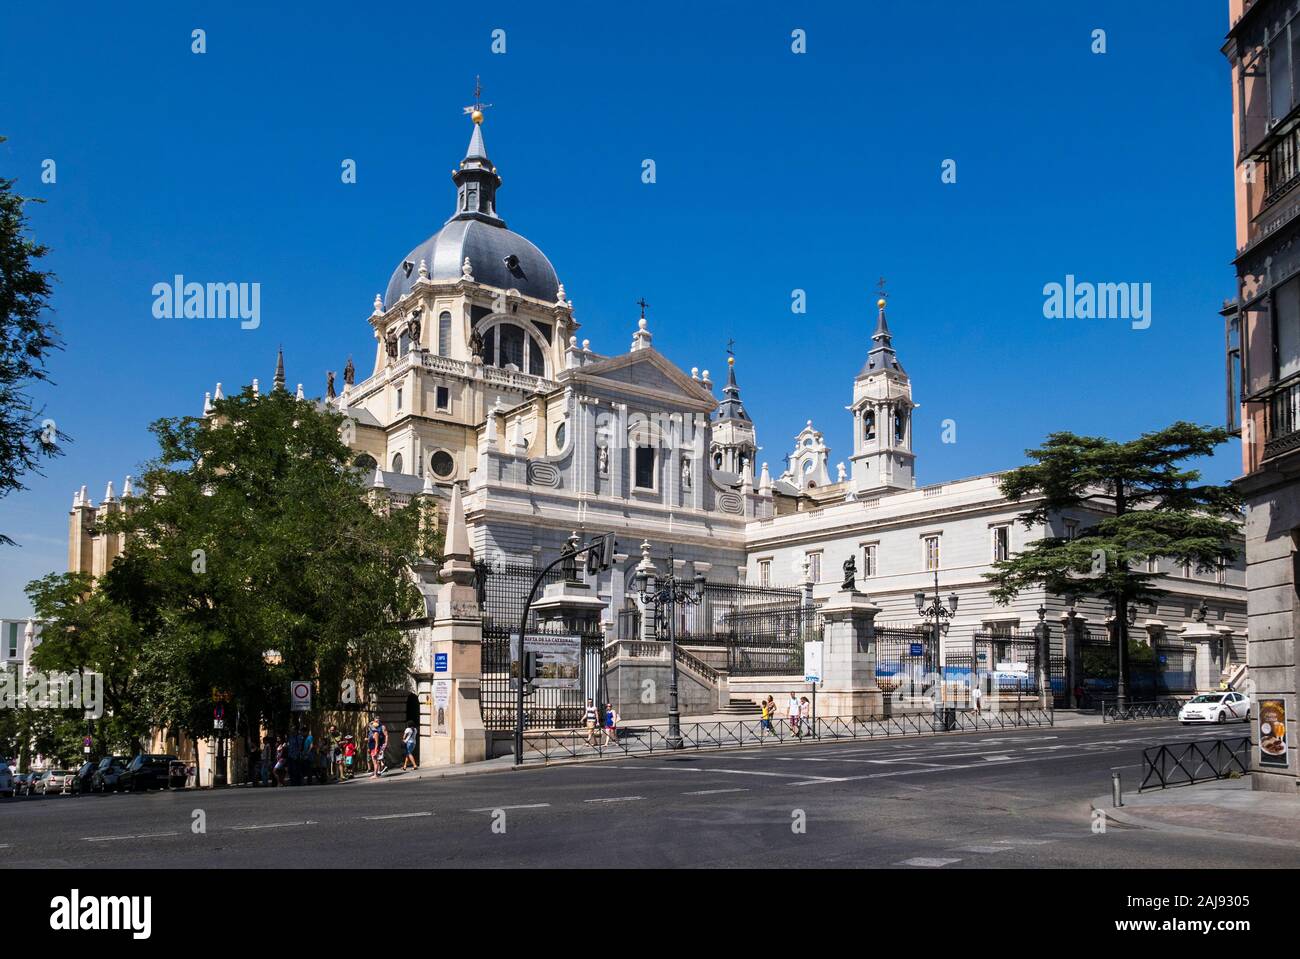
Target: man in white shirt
x=793 y=710
x=409 y=738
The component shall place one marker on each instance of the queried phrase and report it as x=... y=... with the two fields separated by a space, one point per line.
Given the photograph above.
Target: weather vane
x=475 y=110
x=730 y=344
x=881 y=285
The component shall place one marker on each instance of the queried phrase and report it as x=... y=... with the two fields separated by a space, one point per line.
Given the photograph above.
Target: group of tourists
x=799 y=714
x=301 y=758
x=597 y=720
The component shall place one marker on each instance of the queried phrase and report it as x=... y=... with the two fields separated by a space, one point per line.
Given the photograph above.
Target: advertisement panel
x=1272 y=732
x=559 y=660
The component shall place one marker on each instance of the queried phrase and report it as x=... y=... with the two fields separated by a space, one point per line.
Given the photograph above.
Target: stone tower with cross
x=882 y=408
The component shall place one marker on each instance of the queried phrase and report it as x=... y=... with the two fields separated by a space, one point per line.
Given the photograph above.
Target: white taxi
x=1215 y=708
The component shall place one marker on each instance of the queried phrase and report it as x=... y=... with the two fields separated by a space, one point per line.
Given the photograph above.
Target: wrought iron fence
x=1181 y=764
x=1006 y=662
x=762 y=628
x=550 y=746
x=502 y=591
x=1156 y=709
x=905 y=656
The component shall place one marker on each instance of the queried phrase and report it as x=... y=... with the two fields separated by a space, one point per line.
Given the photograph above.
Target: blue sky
x=775 y=171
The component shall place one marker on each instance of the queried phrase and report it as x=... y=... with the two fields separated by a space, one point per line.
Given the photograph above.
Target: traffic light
x=530 y=667
x=600 y=555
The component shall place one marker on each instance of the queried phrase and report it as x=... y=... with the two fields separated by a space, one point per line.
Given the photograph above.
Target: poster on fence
x=559 y=660
x=1272 y=732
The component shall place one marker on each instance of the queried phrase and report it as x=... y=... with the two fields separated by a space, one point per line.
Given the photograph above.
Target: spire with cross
x=475 y=109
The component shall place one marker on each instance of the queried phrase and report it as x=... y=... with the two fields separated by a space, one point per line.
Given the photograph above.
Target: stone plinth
x=1207 y=642
x=570 y=605
x=848 y=686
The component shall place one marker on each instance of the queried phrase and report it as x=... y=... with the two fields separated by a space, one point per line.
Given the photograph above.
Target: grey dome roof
x=487 y=247
x=497 y=256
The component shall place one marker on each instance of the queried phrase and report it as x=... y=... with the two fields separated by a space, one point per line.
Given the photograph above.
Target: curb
x=1102 y=803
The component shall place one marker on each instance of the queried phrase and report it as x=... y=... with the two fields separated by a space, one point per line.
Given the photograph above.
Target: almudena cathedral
x=485 y=396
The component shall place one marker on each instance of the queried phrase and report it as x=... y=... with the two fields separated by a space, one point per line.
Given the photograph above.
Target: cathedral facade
x=481 y=379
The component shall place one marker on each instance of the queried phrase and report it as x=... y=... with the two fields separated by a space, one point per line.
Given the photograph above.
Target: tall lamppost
x=1119 y=629
x=668 y=592
x=938 y=612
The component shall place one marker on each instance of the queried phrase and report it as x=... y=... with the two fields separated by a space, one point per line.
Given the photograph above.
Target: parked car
x=107 y=773
x=6 y=779
x=146 y=771
x=56 y=781
x=1215 y=708
x=22 y=784
x=82 y=777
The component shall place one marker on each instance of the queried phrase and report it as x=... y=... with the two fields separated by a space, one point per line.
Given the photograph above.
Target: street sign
x=299 y=696
x=812 y=661
x=917 y=649
x=439 y=662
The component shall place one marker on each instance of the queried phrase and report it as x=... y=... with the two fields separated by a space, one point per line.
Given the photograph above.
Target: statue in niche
x=686 y=474
x=850 y=574
x=390 y=344
x=602 y=460
x=476 y=345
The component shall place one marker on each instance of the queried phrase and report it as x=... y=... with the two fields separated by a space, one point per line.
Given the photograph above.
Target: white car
x=1215 y=708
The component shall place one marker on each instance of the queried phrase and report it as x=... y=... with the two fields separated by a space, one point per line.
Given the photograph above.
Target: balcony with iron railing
x=1282 y=420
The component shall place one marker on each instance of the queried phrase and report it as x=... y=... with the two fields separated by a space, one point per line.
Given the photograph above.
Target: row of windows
x=868 y=562
x=442 y=398
x=441 y=463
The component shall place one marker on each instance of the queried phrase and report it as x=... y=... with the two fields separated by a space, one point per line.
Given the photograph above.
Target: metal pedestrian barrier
x=1181 y=764
x=558 y=745
x=1155 y=709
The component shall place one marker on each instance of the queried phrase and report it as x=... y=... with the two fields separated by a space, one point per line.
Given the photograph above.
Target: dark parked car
x=107 y=773
x=23 y=784
x=81 y=778
x=146 y=771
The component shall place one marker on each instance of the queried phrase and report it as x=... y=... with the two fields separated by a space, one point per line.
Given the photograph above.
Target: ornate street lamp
x=668 y=592
x=939 y=613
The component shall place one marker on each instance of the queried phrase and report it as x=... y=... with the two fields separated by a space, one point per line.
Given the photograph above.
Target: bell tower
x=882 y=459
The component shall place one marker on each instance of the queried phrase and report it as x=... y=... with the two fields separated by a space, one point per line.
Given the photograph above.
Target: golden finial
x=881 y=302
x=731 y=361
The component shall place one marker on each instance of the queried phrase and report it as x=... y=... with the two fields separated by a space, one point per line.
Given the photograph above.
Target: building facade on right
x=1263 y=361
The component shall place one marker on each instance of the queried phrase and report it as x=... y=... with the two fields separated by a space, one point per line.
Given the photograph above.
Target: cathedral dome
x=497 y=256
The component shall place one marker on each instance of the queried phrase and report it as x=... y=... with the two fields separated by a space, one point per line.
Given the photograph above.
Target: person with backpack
x=376 y=743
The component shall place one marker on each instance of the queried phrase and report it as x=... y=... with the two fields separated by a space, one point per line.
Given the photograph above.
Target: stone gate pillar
x=849 y=685
x=1205 y=641
x=449 y=656
x=1043 y=636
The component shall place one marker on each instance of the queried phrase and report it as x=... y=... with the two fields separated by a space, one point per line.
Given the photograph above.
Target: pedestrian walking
x=282 y=763
x=805 y=714
x=765 y=717
x=376 y=741
x=589 y=717
x=268 y=759
x=611 y=725
x=792 y=713
x=293 y=753
x=409 y=738
x=309 y=772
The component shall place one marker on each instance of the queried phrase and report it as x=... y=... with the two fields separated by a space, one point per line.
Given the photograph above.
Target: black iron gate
x=763 y=628
x=906 y=656
x=1007 y=662
x=502 y=591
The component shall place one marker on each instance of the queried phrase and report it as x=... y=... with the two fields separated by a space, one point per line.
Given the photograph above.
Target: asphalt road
x=988 y=799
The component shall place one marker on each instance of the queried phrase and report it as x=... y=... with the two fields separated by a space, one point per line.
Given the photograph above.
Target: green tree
x=1157 y=506
x=26 y=341
x=254 y=556
x=86 y=630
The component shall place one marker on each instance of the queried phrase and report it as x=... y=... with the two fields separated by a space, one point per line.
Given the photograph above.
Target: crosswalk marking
x=927 y=862
x=398 y=815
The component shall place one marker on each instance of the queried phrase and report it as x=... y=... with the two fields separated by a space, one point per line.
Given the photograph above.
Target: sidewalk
x=1226 y=808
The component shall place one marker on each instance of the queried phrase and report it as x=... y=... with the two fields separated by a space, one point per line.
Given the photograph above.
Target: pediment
x=646 y=373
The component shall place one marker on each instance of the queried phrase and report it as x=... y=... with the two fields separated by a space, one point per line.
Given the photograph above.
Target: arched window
x=397 y=462
x=717 y=460
x=365 y=462
x=444 y=334
x=869 y=425
x=510 y=346
x=404 y=344
x=900 y=426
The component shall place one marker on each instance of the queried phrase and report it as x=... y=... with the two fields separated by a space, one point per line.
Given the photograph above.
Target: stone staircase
x=740 y=707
